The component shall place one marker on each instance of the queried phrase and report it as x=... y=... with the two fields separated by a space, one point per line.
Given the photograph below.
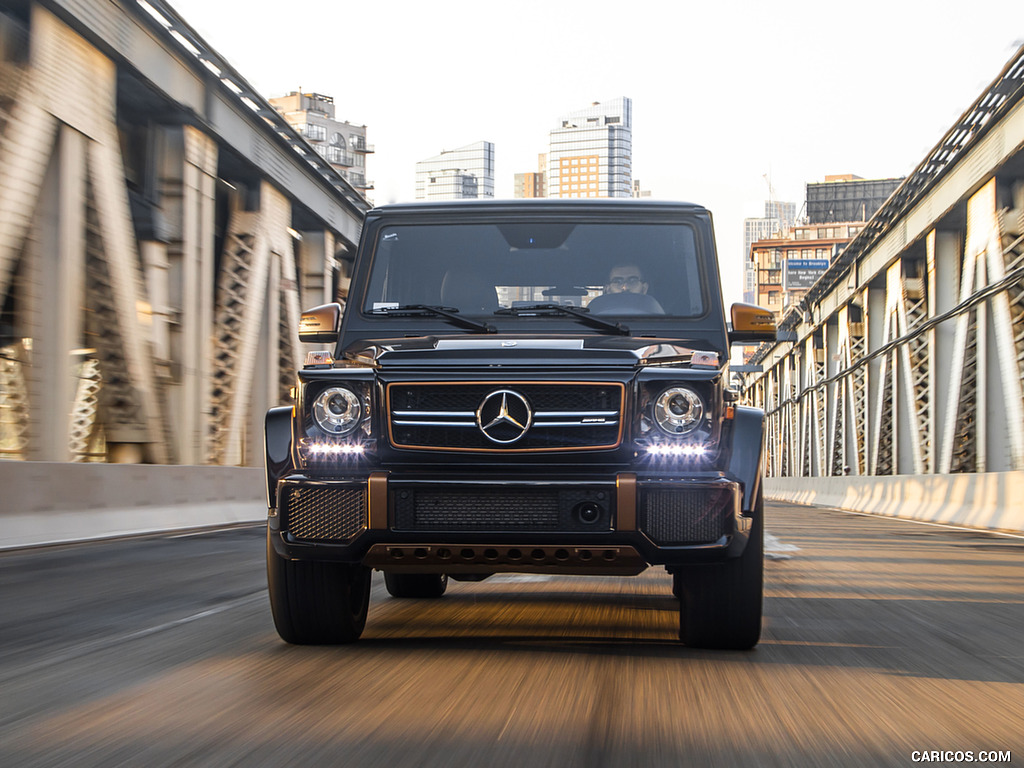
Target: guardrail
x=985 y=500
x=54 y=503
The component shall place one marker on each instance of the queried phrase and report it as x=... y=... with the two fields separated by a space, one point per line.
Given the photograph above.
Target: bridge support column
x=773 y=447
x=850 y=408
x=52 y=286
x=877 y=431
x=984 y=419
x=72 y=193
x=187 y=159
x=256 y=347
x=944 y=254
x=316 y=259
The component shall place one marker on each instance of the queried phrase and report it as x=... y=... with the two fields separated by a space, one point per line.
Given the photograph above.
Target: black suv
x=531 y=386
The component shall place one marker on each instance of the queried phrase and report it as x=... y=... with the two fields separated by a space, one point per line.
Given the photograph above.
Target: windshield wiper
x=562 y=309
x=448 y=313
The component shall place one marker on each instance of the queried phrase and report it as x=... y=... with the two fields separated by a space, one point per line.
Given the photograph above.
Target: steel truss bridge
x=160 y=227
x=907 y=357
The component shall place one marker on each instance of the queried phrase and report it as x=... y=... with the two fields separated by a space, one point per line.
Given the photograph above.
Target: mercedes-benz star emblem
x=504 y=416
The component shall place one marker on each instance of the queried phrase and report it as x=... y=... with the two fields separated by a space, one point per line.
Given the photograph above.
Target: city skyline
x=706 y=129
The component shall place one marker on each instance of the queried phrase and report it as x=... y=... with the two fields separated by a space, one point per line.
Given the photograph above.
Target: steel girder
x=896 y=407
x=967 y=424
x=848 y=396
x=14 y=419
x=61 y=64
x=87 y=439
x=257 y=302
x=132 y=329
x=812 y=409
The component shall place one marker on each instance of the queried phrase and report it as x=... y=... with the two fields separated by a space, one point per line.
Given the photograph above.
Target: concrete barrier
x=988 y=500
x=52 y=503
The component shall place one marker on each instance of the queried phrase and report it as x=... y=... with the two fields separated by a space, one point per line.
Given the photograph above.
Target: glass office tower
x=457 y=174
x=590 y=152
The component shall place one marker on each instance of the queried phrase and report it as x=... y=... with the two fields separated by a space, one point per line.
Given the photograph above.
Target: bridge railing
x=907 y=356
x=900 y=370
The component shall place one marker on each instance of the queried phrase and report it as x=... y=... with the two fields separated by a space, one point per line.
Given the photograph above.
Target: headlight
x=678 y=411
x=337 y=410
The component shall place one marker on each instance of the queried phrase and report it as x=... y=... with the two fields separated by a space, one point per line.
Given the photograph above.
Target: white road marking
x=518 y=578
x=776 y=550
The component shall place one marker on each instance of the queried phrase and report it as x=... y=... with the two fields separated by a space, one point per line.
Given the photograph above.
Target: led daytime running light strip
x=335 y=449
x=677 y=450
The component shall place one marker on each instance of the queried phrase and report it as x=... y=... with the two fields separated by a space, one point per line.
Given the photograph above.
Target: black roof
x=547 y=205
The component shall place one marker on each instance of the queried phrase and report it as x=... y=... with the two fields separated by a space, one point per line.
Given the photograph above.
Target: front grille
x=318 y=513
x=686 y=516
x=566 y=416
x=519 y=509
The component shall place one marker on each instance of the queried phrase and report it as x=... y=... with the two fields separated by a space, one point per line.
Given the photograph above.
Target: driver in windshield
x=626 y=278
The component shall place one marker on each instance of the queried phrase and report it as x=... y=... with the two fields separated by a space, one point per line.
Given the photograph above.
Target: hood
x=504 y=350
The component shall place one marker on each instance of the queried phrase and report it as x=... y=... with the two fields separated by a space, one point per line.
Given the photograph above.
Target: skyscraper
x=457 y=174
x=590 y=152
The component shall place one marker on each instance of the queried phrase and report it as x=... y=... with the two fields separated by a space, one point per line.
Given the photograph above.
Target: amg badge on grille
x=504 y=416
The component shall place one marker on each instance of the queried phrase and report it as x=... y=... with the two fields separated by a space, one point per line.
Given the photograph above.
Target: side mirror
x=320 y=325
x=751 y=323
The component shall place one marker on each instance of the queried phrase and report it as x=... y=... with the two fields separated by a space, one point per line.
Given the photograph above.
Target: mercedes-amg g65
x=533 y=386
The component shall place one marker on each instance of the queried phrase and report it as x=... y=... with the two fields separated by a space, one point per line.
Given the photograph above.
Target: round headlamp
x=337 y=410
x=678 y=410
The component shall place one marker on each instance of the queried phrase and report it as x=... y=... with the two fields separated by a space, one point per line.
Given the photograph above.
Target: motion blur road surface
x=882 y=638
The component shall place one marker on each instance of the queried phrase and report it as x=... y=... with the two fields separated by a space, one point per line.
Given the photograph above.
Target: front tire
x=720 y=603
x=317 y=603
x=429 y=585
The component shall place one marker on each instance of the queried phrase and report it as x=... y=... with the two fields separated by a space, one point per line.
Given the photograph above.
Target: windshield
x=479 y=269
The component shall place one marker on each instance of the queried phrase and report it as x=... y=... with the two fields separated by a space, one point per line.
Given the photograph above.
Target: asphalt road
x=882 y=638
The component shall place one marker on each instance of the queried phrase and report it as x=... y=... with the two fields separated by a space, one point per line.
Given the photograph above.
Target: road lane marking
x=103 y=643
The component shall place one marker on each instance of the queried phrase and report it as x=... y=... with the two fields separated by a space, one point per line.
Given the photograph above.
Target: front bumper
x=613 y=524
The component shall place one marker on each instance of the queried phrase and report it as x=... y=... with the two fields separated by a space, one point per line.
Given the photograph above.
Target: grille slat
x=324 y=514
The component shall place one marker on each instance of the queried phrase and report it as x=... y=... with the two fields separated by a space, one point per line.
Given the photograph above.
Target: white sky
x=724 y=93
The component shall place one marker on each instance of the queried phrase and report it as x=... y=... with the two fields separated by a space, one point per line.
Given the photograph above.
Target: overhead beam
x=176 y=61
